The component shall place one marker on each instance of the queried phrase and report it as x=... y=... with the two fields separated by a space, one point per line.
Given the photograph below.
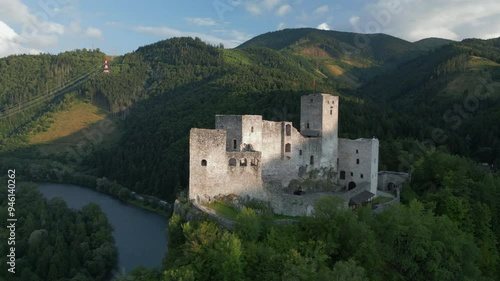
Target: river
x=140 y=235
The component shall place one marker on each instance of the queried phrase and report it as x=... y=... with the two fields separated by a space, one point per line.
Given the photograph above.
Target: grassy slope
x=470 y=80
x=68 y=128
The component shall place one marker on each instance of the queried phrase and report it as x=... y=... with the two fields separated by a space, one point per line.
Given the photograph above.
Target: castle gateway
x=271 y=161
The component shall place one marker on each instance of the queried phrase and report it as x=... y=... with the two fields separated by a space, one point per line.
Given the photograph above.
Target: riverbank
x=53 y=171
x=125 y=195
x=140 y=235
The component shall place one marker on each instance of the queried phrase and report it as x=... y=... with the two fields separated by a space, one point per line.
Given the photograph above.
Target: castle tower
x=106 y=67
x=319 y=119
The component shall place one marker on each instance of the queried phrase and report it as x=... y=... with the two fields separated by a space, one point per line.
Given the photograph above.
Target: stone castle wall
x=358 y=163
x=246 y=155
x=391 y=181
x=214 y=171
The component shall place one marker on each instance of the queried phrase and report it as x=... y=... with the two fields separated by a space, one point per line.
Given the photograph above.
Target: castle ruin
x=274 y=162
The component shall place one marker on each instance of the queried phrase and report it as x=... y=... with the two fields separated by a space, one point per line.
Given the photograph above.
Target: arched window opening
x=307 y=126
x=311 y=161
x=235 y=144
x=342 y=175
x=361 y=176
x=351 y=185
x=243 y=162
x=288 y=147
x=357 y=151
x=251 y=130
x=288 y=129
x=254 y=162
x=300 y=152
x=204 y=162
x=357 y=161
x=232 y=162
x=331 y=112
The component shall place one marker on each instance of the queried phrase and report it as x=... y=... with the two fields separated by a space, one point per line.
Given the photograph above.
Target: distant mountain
x=351 y=58
x=432 y=43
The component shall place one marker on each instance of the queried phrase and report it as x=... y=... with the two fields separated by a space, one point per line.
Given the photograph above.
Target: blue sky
x=117 y=27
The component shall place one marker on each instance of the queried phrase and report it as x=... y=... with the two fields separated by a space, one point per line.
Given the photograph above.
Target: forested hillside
x=455 y=89
x=33 y=87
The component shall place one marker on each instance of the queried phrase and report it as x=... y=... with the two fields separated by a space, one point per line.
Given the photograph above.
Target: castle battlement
x=249 y=156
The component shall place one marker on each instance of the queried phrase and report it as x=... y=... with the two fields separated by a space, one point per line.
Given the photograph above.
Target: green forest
x=446 y=229
x=54 y=242
x=434 y=105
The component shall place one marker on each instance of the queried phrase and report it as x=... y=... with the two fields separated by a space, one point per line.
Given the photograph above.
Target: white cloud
x=257 y=7
x=36 y=30
x=39 y=22
x=232 y=38
x=235 y=35
x=414 y=20
x=283 y=10
x=270 y=4
x=321 y=10
x=74 y=27
x=354 y=20
x=93 y=32
x=202 y=21
x=9 y=42
x=323 y=26
x=280 y=26
x=253 y=8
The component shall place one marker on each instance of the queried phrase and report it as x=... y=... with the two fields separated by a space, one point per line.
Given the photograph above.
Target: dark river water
x=140 y=235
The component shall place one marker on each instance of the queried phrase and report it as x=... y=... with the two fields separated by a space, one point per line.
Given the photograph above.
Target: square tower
x=319 y=116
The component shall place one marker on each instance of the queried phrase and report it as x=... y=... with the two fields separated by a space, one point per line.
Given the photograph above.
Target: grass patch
x=284 y=217
x=231 y=213
x=68 y=128
x=381 y=200
x=236 y=57
x=224 y=211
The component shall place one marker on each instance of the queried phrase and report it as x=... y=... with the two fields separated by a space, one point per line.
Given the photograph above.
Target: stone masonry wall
x=358 y=159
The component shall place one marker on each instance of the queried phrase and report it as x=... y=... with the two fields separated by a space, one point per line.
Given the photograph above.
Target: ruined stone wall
x=207 y=162
x=214 y=171
x=311 y=115
x=245 y=177
x=252 y=131
x=330 y=121
x=374 y=166
x=358 y=162
x=397 y=180
x=232 y=124
x=286 y=154
x=249 y=156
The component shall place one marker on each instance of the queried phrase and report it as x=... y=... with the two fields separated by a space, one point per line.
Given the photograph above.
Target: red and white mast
x=106 y=67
